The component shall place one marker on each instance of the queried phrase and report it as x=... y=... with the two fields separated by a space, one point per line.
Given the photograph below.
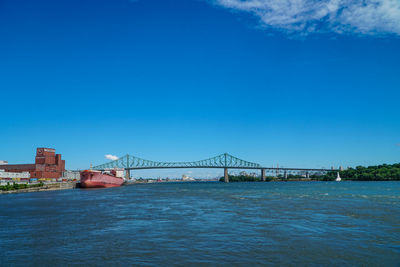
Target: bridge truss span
x=225 y=161
x=221 y=161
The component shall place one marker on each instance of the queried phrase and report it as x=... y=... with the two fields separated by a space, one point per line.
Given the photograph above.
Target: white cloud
x=111 y=157
x=370 y=17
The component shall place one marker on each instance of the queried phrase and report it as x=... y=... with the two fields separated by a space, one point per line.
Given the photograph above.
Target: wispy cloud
x=366 y=17
x=111 y=157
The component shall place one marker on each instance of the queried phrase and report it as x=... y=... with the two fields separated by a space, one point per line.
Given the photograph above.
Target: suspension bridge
x=224 y=161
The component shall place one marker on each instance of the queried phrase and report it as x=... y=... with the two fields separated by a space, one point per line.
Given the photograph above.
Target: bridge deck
x=222 y=161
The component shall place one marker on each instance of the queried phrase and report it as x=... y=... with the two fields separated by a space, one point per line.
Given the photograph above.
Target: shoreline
x=45 y=187
x=75 y=185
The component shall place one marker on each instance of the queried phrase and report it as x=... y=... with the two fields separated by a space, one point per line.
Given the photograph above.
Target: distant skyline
x=295 y=83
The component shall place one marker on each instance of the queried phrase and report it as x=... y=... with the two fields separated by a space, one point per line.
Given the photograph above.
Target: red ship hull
x=95 y=179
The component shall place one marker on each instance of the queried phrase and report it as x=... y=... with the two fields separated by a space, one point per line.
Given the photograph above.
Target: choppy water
x=246 y=224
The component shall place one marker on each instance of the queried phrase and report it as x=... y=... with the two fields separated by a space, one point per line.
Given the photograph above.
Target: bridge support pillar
x=127 y=174
x=263 y=175
x=286 y=175
x=226 y=177
x=307 y=175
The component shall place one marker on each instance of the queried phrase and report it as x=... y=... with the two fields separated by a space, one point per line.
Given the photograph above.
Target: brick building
x=48 y=164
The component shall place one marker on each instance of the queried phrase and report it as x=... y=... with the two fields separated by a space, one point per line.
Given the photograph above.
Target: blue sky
x=311 y=85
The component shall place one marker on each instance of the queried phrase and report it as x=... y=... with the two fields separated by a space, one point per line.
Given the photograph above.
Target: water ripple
x=281 y=224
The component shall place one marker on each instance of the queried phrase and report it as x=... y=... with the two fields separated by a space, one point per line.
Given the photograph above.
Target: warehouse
x=47 y=164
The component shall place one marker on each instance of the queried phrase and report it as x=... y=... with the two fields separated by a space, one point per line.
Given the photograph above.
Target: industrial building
x=16 y=175
x=47 y=164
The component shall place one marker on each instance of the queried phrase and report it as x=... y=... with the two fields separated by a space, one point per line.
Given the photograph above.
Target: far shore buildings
x=47 y=164
x=187 y=178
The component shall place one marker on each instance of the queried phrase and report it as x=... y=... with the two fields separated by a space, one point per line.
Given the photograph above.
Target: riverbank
x=52 y=187
x=44 y=187
x=326 y=178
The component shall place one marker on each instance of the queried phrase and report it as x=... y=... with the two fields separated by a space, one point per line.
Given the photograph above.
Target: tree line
x=15 y=186
x=384 y=172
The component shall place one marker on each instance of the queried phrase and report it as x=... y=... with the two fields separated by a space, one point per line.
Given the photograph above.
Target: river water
x=186 y=224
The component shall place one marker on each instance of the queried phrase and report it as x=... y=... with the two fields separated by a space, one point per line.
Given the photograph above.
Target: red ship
x=97 y=179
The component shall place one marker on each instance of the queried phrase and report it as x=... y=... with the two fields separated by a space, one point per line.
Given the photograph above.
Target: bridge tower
x=277 y=169
x=263 y=175
x=226 y=177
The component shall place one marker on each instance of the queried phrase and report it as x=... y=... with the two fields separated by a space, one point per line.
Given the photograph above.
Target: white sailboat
x=338 y=179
